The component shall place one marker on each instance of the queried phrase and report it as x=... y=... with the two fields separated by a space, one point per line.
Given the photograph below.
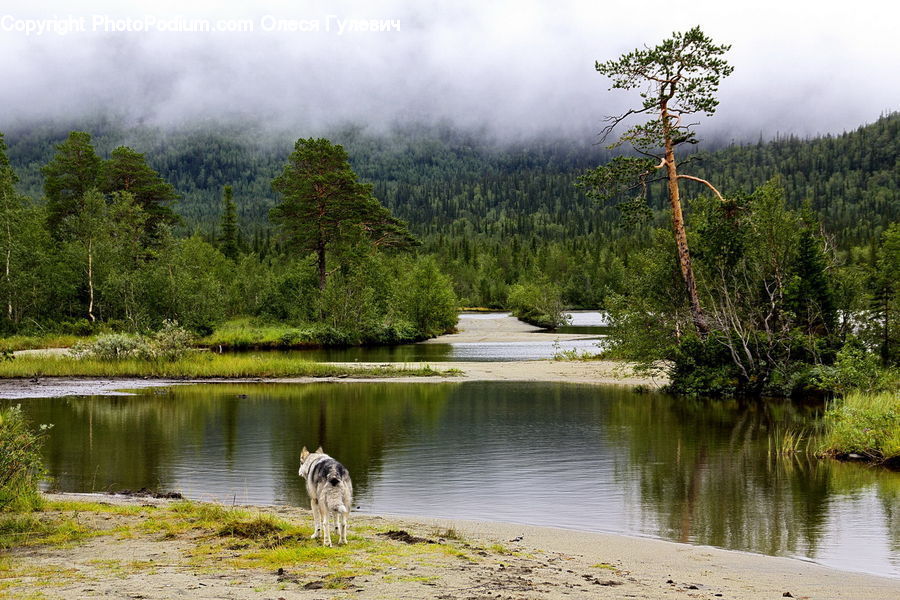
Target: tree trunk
x=320 y=263
x=684 y=255
x=9 y=298
x=90 y=258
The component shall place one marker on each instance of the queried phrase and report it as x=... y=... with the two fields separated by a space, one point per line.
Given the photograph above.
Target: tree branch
x=704 y=182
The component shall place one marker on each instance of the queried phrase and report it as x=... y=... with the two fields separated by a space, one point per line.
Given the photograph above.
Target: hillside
x=494 y=211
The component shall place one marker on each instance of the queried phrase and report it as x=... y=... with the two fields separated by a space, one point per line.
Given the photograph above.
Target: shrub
x=110 y=346
x=168 y=344
x=854 y=369
x=20 y=462
x=538 y=303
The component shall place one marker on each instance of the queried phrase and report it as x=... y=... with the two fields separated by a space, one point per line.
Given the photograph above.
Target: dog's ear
x=319 y=450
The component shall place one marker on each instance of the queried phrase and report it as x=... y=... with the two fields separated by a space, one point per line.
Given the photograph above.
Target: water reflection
x=584 y=457
x=544 y=348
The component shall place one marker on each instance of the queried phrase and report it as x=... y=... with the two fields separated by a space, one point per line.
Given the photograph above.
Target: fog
x=513 y=69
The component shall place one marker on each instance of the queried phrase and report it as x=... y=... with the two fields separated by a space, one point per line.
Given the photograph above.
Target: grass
x=30 y=529
x=866 y=425
x=35 y=342
x=246 y=333
x=249 y=333
x=215 y=539
x=196 y=365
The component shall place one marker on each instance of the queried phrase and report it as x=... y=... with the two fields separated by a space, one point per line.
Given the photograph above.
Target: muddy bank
x=391 y=557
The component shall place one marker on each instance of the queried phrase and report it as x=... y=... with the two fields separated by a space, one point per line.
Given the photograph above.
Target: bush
x=702 y=367
x=110 y=346
x=426 y=301
x=21 y=468
x=538 y=303
x=854 y=369
x=168 y=344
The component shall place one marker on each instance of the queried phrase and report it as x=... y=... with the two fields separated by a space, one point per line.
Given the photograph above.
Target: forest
x=496 y=213
x=179 y=226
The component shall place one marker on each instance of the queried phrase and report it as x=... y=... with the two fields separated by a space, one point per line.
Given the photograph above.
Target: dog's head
x=304 y=457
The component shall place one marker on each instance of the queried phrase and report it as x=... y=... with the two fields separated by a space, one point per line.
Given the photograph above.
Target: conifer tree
x=325 y=205
x=228 y=239
x=678 y=78
x=73 y=171
x=128 y=171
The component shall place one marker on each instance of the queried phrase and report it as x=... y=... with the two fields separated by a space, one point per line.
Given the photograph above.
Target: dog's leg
x=326 y=529
x=342 y=518
x=314 y=507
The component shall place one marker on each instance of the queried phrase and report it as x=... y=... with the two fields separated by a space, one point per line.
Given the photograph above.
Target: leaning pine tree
x=678 y=78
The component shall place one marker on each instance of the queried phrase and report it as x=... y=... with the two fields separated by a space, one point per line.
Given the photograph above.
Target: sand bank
x=465 y=560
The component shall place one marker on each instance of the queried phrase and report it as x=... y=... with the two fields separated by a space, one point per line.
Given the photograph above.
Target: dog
x=330 y=491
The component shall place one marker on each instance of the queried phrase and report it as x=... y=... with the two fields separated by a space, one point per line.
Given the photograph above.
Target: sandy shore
x=595 y=372
x=499 y=327
x=453 y=560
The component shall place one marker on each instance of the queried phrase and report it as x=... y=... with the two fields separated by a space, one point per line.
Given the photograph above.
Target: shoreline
x=592 y=372
x=454 y=559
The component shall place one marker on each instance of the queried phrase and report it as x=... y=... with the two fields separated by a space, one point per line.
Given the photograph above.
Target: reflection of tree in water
x=117 y=442
x=706 y=470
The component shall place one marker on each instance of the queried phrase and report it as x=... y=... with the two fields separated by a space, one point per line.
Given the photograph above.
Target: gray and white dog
x=330 y=491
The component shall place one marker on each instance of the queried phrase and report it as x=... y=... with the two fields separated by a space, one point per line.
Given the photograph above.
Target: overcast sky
x=517 y=67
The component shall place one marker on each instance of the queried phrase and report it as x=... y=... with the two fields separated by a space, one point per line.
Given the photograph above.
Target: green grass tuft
x=864 y=424
x=198 y=365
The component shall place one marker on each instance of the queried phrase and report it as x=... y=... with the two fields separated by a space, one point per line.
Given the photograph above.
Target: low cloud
x=514 y=69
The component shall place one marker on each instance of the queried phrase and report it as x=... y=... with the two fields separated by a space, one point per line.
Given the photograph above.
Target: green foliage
x=538 y=301
x=884 y=327
x=74 y=171
x=856 y=368
x=866 y=424
x=425 y=298
x=21 y=468
x=325 y=206
x=768 y=284
x=170 y=343
x=688 y=63
x=228 y=238
x=127 y=171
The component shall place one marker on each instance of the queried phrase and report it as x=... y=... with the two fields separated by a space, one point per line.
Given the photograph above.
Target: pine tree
x=679 y=78
x=73 y=171
x=228 y=239
x=325 y=205
x=128 y=171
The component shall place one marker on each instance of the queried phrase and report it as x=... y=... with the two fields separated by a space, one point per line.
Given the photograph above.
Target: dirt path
x=155 y=552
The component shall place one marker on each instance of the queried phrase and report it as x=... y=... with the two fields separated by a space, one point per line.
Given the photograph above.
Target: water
x=544 y=346
x=581 y=457
x=456 y=352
